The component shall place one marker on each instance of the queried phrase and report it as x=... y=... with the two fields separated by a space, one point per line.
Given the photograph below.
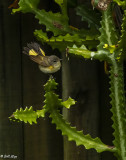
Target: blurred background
x=21 y=85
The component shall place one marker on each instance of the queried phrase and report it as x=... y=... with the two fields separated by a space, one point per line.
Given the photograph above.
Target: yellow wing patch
x=32 y=53
x=43 y=53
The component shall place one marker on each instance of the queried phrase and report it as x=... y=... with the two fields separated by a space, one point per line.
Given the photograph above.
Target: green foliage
x=27 y=115
x=60 y=2
x=89 y=15
x=82 y=51
x=27 y=6
x=68 y=103
x=50 y=85
x=52 y=101
x=121 y=3
x=108 y=37
x=105 y=45
x=55 y=22
x=52 y=105
x=108 y=32
x=61 y=42
x=78 y=136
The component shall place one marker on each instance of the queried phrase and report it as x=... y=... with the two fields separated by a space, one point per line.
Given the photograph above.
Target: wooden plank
x=81 y=84
x=10 y=82
x=80 y=81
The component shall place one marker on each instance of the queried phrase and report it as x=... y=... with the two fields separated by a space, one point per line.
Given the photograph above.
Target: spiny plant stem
x=118 y=108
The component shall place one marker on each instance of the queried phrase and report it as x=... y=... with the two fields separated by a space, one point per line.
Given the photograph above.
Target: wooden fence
x=21 y=84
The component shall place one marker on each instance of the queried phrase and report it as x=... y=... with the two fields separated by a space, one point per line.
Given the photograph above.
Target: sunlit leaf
x=68 y=103
x=27 y=115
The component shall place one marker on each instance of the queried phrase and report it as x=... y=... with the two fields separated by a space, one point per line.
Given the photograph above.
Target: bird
x=47 y=64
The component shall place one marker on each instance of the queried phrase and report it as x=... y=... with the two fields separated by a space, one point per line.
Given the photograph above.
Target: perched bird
x=47 y=64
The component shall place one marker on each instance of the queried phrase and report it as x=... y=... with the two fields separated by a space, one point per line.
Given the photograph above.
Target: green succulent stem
x=108 y=32
x=118 y=108
x=78 y=136
x=64 y=8
x=109 y=36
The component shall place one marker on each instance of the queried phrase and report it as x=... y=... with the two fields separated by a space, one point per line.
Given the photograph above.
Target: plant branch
x=118 y=108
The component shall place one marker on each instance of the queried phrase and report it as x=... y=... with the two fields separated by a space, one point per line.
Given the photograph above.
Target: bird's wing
x=36 y=54
x=42 y=60
x=33 y=48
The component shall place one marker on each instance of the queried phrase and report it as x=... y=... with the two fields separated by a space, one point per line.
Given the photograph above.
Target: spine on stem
x=108 y=32
x=118 y=108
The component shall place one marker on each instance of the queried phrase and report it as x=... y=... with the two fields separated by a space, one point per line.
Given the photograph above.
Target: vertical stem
x=118 y=108
x=108 y=32
x=109 y=36
x=64 y=9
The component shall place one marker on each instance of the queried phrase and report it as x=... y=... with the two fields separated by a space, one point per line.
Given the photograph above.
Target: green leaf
x=67 y=38
x=89 y=15
x=120 y=3
x=61 y=42
x=90 y=34
x=55 y=22
x=27 y=115
x=63 y=5
x=26 y=6
x=50 y=85
x=78 y=136
x=60 y=2
x=68 y=103
x=82 y=51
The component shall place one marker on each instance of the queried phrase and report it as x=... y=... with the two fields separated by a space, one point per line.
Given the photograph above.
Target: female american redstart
x=47 y=64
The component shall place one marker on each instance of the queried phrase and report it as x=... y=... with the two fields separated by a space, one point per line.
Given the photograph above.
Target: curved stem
x=78 y=136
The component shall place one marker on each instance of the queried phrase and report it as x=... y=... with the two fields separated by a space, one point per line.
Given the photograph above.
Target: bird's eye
x=54 y=61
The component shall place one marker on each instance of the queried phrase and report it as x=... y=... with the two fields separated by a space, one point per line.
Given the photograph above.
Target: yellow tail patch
x=32 y=53
x=43 y=53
